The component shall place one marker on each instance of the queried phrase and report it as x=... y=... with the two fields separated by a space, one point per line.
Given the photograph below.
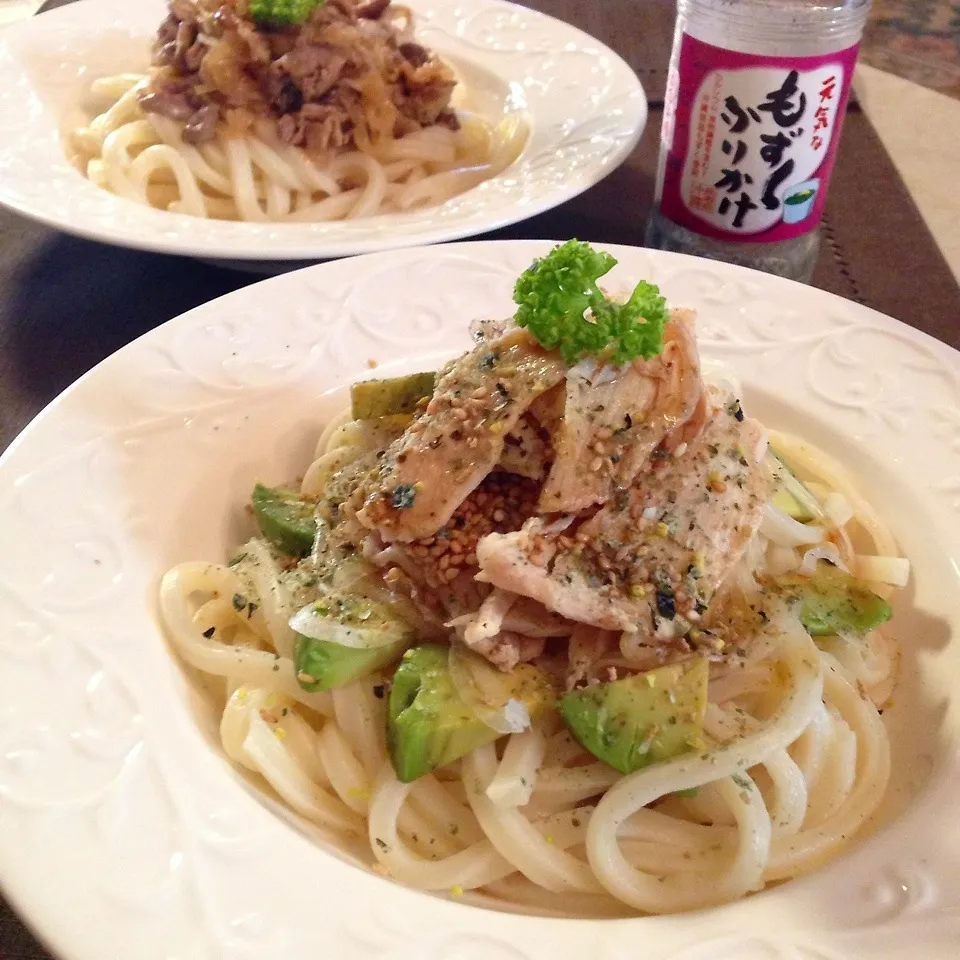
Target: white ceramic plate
x=123 y=832
x=585 y=108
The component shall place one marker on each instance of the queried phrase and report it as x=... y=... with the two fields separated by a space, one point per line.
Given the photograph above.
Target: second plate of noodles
x=282 y=111
x=236 y=131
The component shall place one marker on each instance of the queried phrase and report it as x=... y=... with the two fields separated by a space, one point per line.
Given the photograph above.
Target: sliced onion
x=848 y=650
x=360 y=579
x=892 y=570
x=784 y=531
x=351 y=571
x=838 y=509
x=489 y=693
x=824 y=551
x=560 y=524
x=261 y=571
x=374 y=627
x=781 y=560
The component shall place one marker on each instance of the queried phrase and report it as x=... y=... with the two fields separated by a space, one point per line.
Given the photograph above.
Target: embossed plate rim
x=93 y=723
x=592 y=143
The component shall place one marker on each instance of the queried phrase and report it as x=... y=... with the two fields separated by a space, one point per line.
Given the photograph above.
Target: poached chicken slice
x=615 y=417
x=654 y=555
x=447 y=451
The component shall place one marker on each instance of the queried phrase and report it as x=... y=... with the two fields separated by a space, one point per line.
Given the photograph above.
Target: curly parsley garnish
x=282 y=13
x=559 y=302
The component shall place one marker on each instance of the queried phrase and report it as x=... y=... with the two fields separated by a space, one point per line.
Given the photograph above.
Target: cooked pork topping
x=347 y=76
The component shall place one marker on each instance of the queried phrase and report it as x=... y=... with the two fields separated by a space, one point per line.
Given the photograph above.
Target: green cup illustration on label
x=798 y=201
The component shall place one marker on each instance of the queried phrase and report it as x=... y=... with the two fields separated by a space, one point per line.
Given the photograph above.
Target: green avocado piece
x=323 y=665
x=791 y=495
x=833 y=601
x=790 y=505
x=643 y=719
x=285 y=519
x=429 y=725
x=373 y=399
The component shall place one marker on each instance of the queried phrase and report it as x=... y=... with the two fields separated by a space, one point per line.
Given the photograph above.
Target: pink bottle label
x=752 y=140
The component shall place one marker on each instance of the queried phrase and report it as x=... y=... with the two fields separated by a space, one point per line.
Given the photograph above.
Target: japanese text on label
x=757 y=138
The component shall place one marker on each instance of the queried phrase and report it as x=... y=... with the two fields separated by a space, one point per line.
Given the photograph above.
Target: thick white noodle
x=516 y=838
x=251 y=741
x=206 y=653
x=655 y=894
x=256 y=178
x=476 y=866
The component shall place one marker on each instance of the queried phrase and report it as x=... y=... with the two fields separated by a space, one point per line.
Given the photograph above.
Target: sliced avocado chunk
x=373 y=399
x=285 y=519
x=429 y=725
x=643 y=719
x=791 y=506
x=343 y=637
x=832 y=601
x=792 y=496
x=323 y=665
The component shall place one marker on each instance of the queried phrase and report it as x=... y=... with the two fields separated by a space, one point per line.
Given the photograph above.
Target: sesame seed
x=595 y=464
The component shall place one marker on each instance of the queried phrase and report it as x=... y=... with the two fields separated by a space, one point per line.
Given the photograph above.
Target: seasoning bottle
x=755 y=101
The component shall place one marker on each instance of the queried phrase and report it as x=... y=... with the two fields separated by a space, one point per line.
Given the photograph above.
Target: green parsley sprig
x=283 y=13
x=559 y=302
